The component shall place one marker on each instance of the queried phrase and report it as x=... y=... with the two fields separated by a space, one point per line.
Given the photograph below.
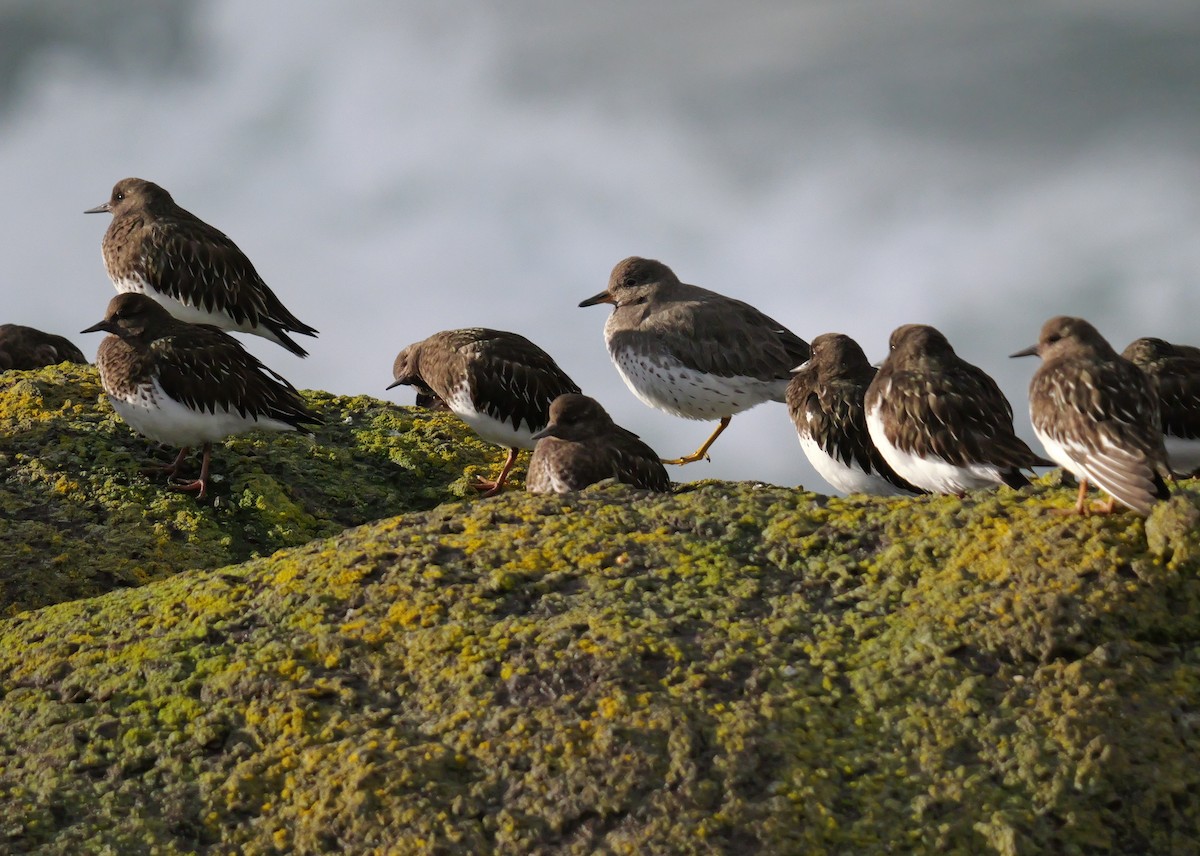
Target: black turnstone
x=825 y=401
x=582 y=446
x=500 y=384
x=942 y=423
x=1097 y=416
x=1174 y=372
x=692 y=352
x=154 y=247
x=24 y=347
x=187 y=384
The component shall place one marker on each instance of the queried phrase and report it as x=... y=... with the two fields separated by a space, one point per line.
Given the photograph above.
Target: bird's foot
x=197 y=486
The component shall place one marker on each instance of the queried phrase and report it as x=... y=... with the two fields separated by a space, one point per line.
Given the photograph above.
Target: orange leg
x=170 y=469
x=491 y=488
x=1081 y=506
x=201 y=484
x=702 y=452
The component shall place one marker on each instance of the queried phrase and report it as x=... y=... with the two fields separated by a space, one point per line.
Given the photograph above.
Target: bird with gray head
x=582 y=445
x=188 y=385
x=940 y=422
x=1097 y=416
x=1174 y=372
x=825 y=401
x=154 y=247
x=499 y=383
x=692 y=352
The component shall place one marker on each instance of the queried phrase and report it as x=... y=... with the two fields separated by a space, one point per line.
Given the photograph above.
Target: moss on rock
x=732 y=668
x=80 y=518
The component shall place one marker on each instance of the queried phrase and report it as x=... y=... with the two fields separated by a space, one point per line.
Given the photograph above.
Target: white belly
x=844 y=477
x=932 y=473
x=189 y=313
x=151 y=413
x=1182 y=454
x=493 y=430
x=667 y=385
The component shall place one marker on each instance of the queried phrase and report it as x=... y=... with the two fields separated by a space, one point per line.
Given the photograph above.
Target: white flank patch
x=189 y=313
x=933 y=473
x=490 y=429
x=152 y=413
x=1182 y=454
x=846 y=478
x=669 y=386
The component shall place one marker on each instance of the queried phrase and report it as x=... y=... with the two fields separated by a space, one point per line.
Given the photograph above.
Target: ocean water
x=397 y=168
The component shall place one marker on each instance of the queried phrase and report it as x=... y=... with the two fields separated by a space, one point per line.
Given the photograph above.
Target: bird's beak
x=549 y=431
x=602 y=297
x=394 y=384
x=1031 y=351
x=100 y=209
x=99 y=327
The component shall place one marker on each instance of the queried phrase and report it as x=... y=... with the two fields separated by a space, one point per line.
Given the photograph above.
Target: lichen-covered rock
x=730 y=669
x=78 y=517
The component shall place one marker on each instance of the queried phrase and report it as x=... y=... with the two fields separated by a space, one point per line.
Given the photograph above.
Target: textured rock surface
x=733 y=668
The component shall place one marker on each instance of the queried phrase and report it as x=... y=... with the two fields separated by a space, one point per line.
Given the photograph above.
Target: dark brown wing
x=833 y=415
x=206 y=369
x=198 y=264
x=24 y=347
x=960 y=413
x=1105 y=418
x=1177 y=382
x=724 y=337
x=577 y=464
x=513 y=379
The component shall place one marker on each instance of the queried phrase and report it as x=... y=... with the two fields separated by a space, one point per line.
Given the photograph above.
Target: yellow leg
x=491 y=488
x=702 y=452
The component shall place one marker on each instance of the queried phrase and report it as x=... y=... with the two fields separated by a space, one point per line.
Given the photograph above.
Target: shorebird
x=940 y=422
x=187 y=384
x=156 y=248
x=500 y=384
x=1097 y=416
x=825 y=401
x=24 y=347
x=1174 y=372
x=691 y=352
x=581 y=445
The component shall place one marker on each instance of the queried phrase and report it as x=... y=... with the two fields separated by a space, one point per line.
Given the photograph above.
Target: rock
x=733 y=668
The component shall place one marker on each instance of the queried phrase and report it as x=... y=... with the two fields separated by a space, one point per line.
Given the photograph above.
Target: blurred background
x=398 y=168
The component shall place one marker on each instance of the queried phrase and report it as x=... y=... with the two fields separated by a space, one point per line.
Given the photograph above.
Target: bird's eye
x=627 y=282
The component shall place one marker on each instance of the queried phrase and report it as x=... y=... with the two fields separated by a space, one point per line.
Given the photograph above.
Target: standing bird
x=24 y=347
x=154 y=247
x=825 y=401
x=942 y=423
x=188 y=384
x=1174 y=372
x=1097 y=416
x=582 y=446
x=692 y=352
x=500 y=384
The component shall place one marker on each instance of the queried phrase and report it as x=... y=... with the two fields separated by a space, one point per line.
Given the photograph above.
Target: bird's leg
x=491 y=488
x=201 y=484
x=1081 y=507
x=702 y=452
x=1106 y=507
x=167 y=470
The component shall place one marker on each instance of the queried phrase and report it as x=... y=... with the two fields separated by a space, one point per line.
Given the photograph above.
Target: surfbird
x=24 y=347
x=156 y=248
x=582 y=445
x=692 y=352
x=1097 y=416
x=500 y=384
x=1174 y=372
x=825 y=401
x=188 y=385
x=940 y=422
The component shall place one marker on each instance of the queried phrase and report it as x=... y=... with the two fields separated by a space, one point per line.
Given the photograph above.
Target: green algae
x=80 y=518
x=732 y=668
